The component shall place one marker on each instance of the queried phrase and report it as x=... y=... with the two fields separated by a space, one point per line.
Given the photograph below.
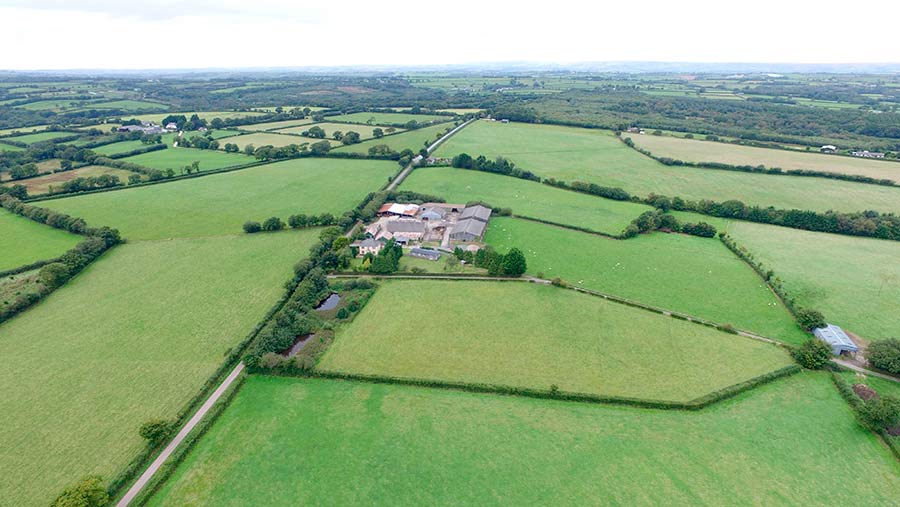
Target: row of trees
x=90 y=183
x=297 y=221
x=387 y=261
x=499 y=165
x=657 y=220
x=513 y=263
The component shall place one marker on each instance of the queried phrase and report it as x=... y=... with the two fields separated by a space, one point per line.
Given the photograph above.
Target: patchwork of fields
x=42 y=184
x=535 y=336
x=177 y=158
x=368 y=118
x=596 y=156
x=220 y=203
x=414 y=140
x=696 y=276
x=691 y=150
x=25 y=241
x=286 y=441
x=130 y=339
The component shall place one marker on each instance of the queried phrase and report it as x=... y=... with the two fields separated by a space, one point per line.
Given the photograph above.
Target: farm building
x=368 y=246
x=468 y=229
x=449 y=208
x=828 y=148
x=432 y=214
x=477 y=212
x=868 y=154
x=836 y=338
x=407 y=229
x=422 y=253
x=398 y=210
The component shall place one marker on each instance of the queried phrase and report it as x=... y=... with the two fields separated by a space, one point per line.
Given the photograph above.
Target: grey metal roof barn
x=478 y=212
x=836 y=338
x=412 y=226
x=468 y=230
x=422 y=253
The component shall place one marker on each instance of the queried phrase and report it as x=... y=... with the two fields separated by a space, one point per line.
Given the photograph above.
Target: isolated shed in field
x=836 y=338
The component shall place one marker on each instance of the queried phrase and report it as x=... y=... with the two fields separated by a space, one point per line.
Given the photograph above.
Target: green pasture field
x=691 y=150
x=526 y=198
x=105 y=127
x=26 y=241
x=170 y=138
x=275 y=139
x=461 y=110
x=40 y=137
x=271 y=109
x=36 y=128
x=364 y=131
x=9 y=147
x=42 y=184
x=220 y=203
x=414 y=139
x=387 y=118
x=132 y=338
x=696 y=276
x=275 y=125
x=290 y=441
x=204 y=115
x=881 y=386
x=119 y=147
x=177 y=158
x=535 y=336
x=53 y=104
x=854 y=282
x=124 y=105
x=596 y=156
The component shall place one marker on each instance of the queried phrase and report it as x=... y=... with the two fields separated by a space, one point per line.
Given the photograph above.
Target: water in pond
x=298 y=345
x=330 y=303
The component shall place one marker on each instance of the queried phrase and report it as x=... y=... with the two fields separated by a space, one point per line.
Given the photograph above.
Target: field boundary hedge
x=549 y=394
x=766 y=275
x=28 y=267
x=855 y=402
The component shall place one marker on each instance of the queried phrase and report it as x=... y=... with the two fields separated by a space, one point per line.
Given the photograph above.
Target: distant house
x=828 y=148
x=477 y=212
x=406 y=229
x=868 y=154
x=422 y=253
x=468 y=229
x=836 y=338
x=504 y=120
x=432 y=214
x=171 y=126
x=368 y=246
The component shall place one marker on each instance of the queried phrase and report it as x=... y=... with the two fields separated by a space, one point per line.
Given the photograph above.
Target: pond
x=330 y=303
x=298 y=345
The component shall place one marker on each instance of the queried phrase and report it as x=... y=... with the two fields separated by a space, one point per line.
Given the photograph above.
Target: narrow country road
x=412 y=165
x=860 y=369
x=148 y=474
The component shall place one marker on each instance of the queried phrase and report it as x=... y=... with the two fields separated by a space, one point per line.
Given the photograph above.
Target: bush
x=251 y=227
x=810 y=319
x=702 y=229
x=156 y=430
x=273 y=224
x=880 y=413
x=514 y=263
x=727 y=328
x=813 y=354
x=885 y=355
x=88 y=492
x=343 y=313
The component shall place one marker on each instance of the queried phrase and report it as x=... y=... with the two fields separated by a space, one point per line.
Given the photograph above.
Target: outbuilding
x=469 y=229
x=422 y=253
x=836 y=338
x=477 y=212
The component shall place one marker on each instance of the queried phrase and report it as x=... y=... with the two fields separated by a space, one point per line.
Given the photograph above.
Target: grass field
x=132 y=338
x=258 y=139
x=364 y=131
x=535 y=336
x=274 y=125
x=387 y=118
x=855 y=282
x=42 y=184
x=119 y=147
x=26 y=241
x=221 y=203
x=291 y=441
x=696 y=276
x=596 y=156
x=413 y=139
x=36 y=128
x=177 y=158
x=691 y=150
x=9 y=147
x=526 y=198
x=40 y=137
x=124 y=105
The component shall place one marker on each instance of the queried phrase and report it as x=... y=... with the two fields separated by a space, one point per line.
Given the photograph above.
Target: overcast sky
x=128 y=34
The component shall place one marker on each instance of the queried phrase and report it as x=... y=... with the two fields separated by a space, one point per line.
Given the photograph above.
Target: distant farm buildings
x=836 y=338
x=421 y=253
x=868 y=154
x=828 y=148
x=145 y=127
x=431 y=223
x=410 y=230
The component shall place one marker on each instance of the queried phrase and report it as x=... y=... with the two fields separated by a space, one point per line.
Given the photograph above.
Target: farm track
x=412 y=165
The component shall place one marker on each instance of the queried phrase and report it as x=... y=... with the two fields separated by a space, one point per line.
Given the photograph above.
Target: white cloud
x=48 y=34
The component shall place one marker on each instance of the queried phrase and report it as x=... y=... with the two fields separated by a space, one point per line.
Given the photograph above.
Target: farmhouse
x=368 y=246
x=421 y=253
x=410 y=230
x=468 y=229
x=836 y=338
x=171 y=126
x=868 y=154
